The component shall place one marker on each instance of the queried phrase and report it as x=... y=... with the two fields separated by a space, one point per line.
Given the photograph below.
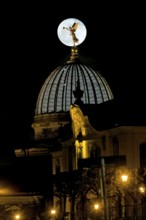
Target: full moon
x=71 y=32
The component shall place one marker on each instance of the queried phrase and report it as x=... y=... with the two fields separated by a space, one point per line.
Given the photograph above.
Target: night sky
x=31 y=50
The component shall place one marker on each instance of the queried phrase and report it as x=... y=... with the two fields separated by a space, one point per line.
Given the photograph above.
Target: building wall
x=128 y=140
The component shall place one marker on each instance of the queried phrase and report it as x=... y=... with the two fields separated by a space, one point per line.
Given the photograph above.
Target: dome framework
x=69 y=82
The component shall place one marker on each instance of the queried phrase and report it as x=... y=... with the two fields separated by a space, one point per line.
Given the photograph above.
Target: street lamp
x=17 y=216
x=142 y=190
x=97 y=209
x=96 y=206
x=53 y=213
x=124 y=178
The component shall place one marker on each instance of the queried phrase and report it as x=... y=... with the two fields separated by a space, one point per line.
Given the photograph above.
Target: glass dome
x=71 y=82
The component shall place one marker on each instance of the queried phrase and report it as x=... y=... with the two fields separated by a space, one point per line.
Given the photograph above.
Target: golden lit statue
x=80 y=124
x=72 y=32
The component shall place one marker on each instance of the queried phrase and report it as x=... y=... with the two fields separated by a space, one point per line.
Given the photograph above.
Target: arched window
x=104 y=142
x=143 y=155
x=57 y=166
x=95 y=151
x=115 y=146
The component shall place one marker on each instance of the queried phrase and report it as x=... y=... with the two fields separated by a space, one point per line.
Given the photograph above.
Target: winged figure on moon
x=71 y=32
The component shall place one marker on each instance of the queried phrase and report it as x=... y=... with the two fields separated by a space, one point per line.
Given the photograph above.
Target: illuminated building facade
x=74 y=127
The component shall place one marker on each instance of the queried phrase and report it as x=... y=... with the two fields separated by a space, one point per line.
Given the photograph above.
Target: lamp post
x=96 y=206
x=17 y=216
x=124 y=179
x=53 y=214
x=97 y=209
x=142 y=190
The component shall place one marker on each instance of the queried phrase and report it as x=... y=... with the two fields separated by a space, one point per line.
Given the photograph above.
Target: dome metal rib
x=57 y=93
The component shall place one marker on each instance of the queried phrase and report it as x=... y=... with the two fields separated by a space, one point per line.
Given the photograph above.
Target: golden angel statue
x=72 y=32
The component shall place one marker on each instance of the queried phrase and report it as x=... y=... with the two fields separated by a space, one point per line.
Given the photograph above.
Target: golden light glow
x=124 y=178
x=96 y=206
x=53 y=211
x=142 y=189
x=17 y=216
x=5 y=191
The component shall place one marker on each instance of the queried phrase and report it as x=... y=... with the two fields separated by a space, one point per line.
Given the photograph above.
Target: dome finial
x=71 y=32
x=74 y=55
